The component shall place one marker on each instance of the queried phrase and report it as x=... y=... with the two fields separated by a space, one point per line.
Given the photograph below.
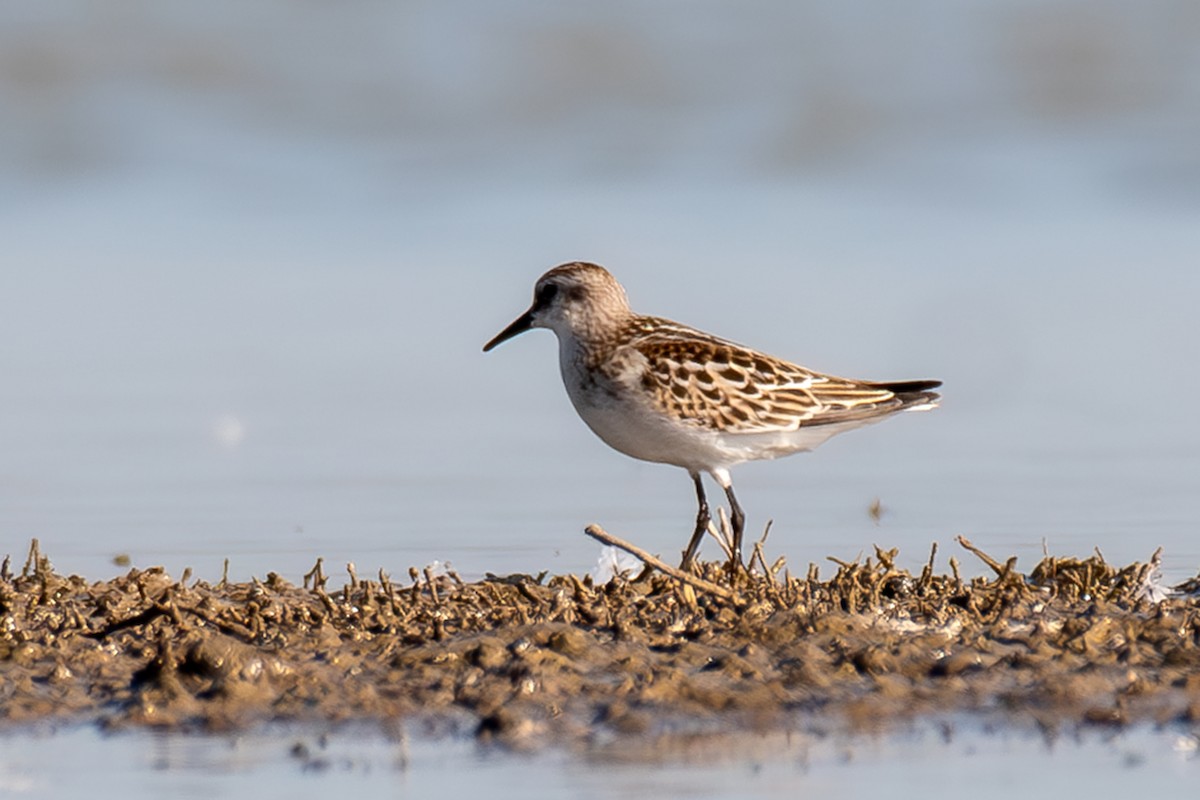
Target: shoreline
x=528 y=662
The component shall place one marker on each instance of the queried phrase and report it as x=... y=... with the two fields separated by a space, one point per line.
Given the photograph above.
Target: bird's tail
x=914 y=395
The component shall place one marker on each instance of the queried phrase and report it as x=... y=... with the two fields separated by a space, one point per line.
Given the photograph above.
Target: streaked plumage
x=661 y=391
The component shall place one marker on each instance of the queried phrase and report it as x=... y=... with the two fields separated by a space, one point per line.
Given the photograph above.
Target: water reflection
x=939 y=758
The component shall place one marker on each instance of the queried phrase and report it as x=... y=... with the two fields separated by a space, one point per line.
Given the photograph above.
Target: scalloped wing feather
x=722 y=386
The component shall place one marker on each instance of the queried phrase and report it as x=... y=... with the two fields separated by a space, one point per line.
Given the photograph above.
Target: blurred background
x=251 y=253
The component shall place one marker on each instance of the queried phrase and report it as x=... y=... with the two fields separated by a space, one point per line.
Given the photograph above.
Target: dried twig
x=316 y=575
x=720 y=530
x=997 y=567
x=603 y=536
x=32 y=560
x=433 y=592
x=927 y=572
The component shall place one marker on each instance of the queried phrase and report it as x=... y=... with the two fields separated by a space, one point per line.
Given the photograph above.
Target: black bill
x=518 y=326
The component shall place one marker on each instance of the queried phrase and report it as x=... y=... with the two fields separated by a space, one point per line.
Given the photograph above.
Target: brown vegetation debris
x=533 y=659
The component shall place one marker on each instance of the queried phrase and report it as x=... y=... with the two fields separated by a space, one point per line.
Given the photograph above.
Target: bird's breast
x=614 y=402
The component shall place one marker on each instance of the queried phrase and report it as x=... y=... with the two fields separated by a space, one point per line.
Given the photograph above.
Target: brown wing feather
x=723 y=386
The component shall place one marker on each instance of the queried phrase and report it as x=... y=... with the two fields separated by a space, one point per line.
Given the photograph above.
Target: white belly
x=642 y=433
x=628 y=421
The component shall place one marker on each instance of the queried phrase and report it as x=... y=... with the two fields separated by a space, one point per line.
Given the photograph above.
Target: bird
x=664 y=392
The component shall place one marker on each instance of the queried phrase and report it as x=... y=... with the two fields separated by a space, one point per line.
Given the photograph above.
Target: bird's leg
x=738 y=519
x=702 y=519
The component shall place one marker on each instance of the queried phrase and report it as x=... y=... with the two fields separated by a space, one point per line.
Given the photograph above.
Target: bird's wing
x=725 y=387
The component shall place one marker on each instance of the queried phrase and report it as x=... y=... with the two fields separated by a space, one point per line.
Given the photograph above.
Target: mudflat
x=534 y=660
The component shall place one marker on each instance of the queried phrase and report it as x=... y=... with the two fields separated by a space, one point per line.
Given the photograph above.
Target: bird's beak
x=518 y=326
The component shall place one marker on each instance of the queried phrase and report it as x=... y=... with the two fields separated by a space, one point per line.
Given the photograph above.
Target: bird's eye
x=546 y=294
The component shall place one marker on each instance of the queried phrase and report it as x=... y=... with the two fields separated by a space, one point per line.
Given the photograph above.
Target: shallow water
x=246 y=280
x=283 y=400
x=932 y=760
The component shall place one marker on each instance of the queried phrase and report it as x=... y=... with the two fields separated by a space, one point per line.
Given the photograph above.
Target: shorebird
x=664 y=392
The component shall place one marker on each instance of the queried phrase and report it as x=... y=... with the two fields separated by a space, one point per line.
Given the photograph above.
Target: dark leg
x=702 y=519
x=738 y=519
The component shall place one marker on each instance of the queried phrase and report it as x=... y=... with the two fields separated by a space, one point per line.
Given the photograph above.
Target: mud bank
x=527 y=661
